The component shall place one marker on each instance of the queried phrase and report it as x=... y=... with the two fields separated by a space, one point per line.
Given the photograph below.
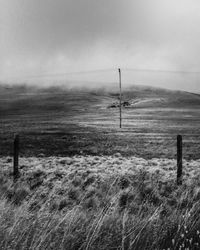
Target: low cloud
x=48 y=36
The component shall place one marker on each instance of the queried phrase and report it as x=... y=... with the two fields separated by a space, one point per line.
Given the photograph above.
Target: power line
x=162 y=71
x=62 y=74
x=46 y=75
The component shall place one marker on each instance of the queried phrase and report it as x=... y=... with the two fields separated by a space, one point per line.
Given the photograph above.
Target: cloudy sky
x=39 y=37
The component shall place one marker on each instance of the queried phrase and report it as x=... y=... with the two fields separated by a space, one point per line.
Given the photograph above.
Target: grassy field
x=56 y=121
x=99 y=202
x=86 y=184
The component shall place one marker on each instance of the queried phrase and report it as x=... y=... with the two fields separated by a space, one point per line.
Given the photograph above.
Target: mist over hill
x=29 y=97
x=62 y=121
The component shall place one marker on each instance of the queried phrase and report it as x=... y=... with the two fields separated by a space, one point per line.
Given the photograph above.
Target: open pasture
x=86 y=184
x=57 y=121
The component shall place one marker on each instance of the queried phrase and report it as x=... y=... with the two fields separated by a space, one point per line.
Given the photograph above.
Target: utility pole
x=120 y=99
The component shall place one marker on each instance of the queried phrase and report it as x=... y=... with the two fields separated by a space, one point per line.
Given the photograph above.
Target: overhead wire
x=46 y=75
x=61 y=74
x=162 y=71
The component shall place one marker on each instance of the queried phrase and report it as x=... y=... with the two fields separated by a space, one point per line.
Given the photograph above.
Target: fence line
x=16 y=172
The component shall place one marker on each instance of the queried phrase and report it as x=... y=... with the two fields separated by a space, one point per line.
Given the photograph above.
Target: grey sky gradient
x=48 y=36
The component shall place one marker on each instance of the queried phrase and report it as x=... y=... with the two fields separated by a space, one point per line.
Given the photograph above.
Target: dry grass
x=99 y=202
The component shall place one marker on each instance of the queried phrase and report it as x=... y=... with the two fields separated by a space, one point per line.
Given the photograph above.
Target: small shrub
x=74 y=194
x=33 y=183
x=126 y=197
x=9 y=159
x=90 y=203
x=62 y=204
x=38 y=172
x=90 y=192
x=59 y=174
x=18 y=195
x=89 y=181
x=63 y=161
x=77 y=181
x=124 y=182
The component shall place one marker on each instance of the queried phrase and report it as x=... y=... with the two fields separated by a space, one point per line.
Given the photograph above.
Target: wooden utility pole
x=16 y=157
x=179 y=160
x=120 y=99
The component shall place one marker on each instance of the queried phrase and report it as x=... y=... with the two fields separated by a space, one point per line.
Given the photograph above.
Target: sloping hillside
x=25 y=99
x=142 y=96
x=59 y=121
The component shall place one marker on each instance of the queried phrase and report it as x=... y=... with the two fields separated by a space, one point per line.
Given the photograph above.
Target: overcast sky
x=51 y=36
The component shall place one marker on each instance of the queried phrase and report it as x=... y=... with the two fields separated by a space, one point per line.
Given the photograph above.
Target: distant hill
x=151 y=96
x=25 y=99
x=61 y=121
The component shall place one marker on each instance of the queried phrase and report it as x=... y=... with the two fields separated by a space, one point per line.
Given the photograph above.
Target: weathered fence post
x=16 y=157
x=179 y=160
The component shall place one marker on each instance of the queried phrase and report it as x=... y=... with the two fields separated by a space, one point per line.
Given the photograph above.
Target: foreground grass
x=95 y=202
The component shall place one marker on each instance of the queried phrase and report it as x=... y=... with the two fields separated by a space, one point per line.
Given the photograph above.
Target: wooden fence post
x=16 y=157
x=179 y=160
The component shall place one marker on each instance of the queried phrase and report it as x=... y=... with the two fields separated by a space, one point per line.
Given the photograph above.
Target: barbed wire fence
x=106 y=77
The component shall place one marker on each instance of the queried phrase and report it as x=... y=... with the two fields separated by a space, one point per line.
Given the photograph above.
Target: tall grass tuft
x=86 y=210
